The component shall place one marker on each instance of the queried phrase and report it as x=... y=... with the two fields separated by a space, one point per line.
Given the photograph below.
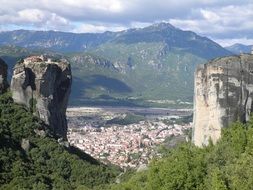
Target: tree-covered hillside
x=30 y=158
x=225 y=166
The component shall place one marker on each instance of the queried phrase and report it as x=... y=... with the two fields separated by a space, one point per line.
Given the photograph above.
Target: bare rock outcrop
x=44 y=86
x=3 y=76
x=223 y=94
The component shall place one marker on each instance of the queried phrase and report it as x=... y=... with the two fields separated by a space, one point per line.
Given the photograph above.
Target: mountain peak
x=239 y=48
x=161 y=26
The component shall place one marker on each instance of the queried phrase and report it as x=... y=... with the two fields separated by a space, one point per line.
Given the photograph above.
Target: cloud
x=36 y=18
x=30 y=15
x=228 y=22
x=108 y=5
x=102 y=27
x=97 y=28
x=121 y=11
x=213 y=18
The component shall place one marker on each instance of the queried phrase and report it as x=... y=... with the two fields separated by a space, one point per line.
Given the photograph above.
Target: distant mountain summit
x=161 y=25
x=240 y=48
x=173 y=37
x=147 y=64
x=52 y=40
x=74 y=42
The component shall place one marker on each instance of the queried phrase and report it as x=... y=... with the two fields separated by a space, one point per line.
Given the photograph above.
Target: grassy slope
x=144 y=71
x=150 y=77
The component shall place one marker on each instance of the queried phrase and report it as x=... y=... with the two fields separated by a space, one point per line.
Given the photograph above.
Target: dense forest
x=226 y=165
x=30 y=160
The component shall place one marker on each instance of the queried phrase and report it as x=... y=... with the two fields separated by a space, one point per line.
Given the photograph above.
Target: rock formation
x=44 y=86
x=3 y=76
x=223 y=94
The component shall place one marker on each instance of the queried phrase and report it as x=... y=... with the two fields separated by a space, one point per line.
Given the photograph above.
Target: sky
x=224 y=21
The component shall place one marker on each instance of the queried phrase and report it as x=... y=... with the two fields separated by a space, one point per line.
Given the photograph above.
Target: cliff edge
x=223 y=93
x=44 y=85
x=3 y=76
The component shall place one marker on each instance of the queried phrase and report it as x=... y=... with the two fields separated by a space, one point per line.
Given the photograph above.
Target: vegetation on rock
x=45 y=164
x=224 y=166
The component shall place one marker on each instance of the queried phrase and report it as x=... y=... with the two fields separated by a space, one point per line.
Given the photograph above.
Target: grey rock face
x=25 y=144
x=3 y=76
x=223 y=94
x=44 y=86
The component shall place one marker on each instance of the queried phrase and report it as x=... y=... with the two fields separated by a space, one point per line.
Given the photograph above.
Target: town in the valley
x=126 y=137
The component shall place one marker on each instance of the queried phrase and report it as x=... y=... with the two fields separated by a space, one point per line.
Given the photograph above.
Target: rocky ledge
x=44 y=85
x=223 y=94
x=3 y=76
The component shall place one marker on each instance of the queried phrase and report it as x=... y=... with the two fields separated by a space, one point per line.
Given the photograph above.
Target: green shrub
x=47 y=165
x=224 y=166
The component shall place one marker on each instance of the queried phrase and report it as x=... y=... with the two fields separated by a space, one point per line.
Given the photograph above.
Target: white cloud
x=233 y=21
x=97 y=28
x=111 y=10
x=217 y=19
x=30 y=15
x=139 y=24
x=36 y=18
x=210 y=16
x=108 y=5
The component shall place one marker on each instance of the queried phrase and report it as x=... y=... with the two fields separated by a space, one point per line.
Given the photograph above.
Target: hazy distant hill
x=73 y=42
x=133 y=67
x=239 y=48
x=58 y=41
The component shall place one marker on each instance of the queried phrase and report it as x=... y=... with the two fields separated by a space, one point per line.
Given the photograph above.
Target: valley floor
x=124 y=144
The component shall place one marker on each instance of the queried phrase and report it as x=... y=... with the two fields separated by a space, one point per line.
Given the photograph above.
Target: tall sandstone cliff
x=3 y=76
x=44 y=86
x=223 y=94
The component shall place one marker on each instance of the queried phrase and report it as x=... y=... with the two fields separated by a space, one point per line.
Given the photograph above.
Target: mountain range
x=151 y=66
x=239 y=48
